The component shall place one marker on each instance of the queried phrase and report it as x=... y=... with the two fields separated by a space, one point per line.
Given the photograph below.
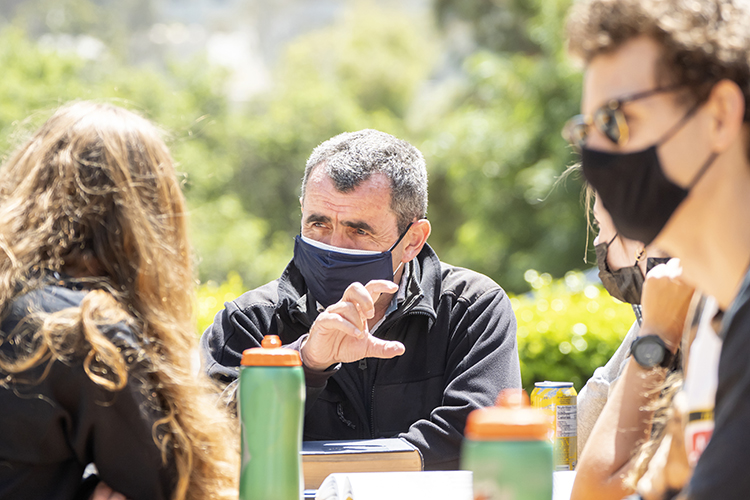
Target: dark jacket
x=52 y=428
x=460 y=337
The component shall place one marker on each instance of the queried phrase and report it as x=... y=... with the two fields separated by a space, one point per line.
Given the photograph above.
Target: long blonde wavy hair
x=94 y=194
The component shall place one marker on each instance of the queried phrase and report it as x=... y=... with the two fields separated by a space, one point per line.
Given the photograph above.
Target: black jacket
x=50 y=430
x=460 y=337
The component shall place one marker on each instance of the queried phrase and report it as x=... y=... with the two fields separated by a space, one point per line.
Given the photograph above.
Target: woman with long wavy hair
x=96 y=298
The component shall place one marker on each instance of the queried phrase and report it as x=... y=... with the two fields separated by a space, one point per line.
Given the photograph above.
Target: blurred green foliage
x=504 y=25
x=111 y=21
x=213 y=295
x=205 y=140
x=489 y=130
x=362 y=72
x=496 y=155
x=566 y=328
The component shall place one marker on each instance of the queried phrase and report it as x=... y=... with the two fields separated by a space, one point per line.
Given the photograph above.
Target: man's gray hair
x=349 y=159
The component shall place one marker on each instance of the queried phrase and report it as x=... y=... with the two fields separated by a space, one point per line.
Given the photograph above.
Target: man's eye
x=361 y=232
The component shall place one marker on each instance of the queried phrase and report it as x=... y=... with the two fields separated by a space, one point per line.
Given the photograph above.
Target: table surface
x=561 y=486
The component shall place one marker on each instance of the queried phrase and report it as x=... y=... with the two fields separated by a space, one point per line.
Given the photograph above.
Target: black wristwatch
x=650 y=351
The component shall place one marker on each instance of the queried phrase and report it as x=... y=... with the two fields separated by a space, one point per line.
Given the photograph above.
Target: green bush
x=211 y=298
x=566 y=328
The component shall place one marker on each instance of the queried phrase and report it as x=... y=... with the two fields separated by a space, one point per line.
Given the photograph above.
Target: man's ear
x=415 y=239
x=727 y=106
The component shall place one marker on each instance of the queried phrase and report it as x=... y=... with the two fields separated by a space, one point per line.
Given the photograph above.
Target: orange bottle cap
x=271 y=354
x=511 y=419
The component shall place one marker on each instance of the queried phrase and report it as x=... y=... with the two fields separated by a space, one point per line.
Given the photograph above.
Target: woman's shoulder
x=47 y=299
x=43 y=300
x=57 y=297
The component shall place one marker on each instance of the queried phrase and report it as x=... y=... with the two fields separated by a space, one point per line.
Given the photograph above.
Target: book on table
x=321 y=458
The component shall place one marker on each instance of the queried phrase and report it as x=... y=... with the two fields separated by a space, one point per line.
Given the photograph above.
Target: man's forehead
x=376 y=188
x=629 y=69
x=367 y=206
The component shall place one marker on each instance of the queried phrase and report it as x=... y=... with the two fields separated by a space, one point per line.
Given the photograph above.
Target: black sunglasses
x=609 y=120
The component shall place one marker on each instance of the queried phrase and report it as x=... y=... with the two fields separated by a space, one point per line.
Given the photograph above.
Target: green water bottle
x=508 y=450
x=271 y=410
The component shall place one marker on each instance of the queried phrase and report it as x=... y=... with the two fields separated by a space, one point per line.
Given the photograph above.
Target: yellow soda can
x=558 y=399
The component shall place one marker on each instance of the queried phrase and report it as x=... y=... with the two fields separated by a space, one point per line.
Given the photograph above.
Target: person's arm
x=235 y=329
x=482 y=362
x=593 y=396
x=625 y=420
x=622 y=425
x=338 y=335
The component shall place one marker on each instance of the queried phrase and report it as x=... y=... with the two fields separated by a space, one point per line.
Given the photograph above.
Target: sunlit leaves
x=567 y=328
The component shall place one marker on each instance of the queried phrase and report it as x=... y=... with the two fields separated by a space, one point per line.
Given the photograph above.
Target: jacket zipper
x=372 y=411
x=372 y=391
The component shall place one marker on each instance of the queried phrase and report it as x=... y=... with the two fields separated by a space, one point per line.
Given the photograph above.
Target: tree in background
x=489 y=126
x=183 y=98
x=362 y=72
x=497 y=152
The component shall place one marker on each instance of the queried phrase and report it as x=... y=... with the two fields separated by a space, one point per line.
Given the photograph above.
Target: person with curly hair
x=665 y=141
x=96 y=294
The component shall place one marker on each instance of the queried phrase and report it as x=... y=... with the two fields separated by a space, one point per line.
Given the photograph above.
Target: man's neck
x=716 y=251
x=381 y=306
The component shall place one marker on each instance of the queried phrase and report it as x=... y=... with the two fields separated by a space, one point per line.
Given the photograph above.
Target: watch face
x=648 y=352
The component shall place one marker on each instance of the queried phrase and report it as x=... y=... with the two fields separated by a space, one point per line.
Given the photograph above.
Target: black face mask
x=634 y=189
x=623 y=284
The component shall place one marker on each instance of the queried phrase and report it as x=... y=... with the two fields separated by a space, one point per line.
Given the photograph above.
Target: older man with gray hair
x=394 y=343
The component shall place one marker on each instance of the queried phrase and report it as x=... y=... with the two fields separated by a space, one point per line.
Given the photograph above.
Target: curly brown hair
x=702 y=41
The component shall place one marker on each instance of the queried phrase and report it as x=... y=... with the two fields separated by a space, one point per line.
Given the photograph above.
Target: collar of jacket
x=423 y=290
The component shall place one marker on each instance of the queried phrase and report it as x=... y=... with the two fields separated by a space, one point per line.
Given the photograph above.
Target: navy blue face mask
x=329 y=270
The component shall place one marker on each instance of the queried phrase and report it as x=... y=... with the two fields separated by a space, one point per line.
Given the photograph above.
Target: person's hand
x=104 y=492
x=664 y=301
x=340 y=333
